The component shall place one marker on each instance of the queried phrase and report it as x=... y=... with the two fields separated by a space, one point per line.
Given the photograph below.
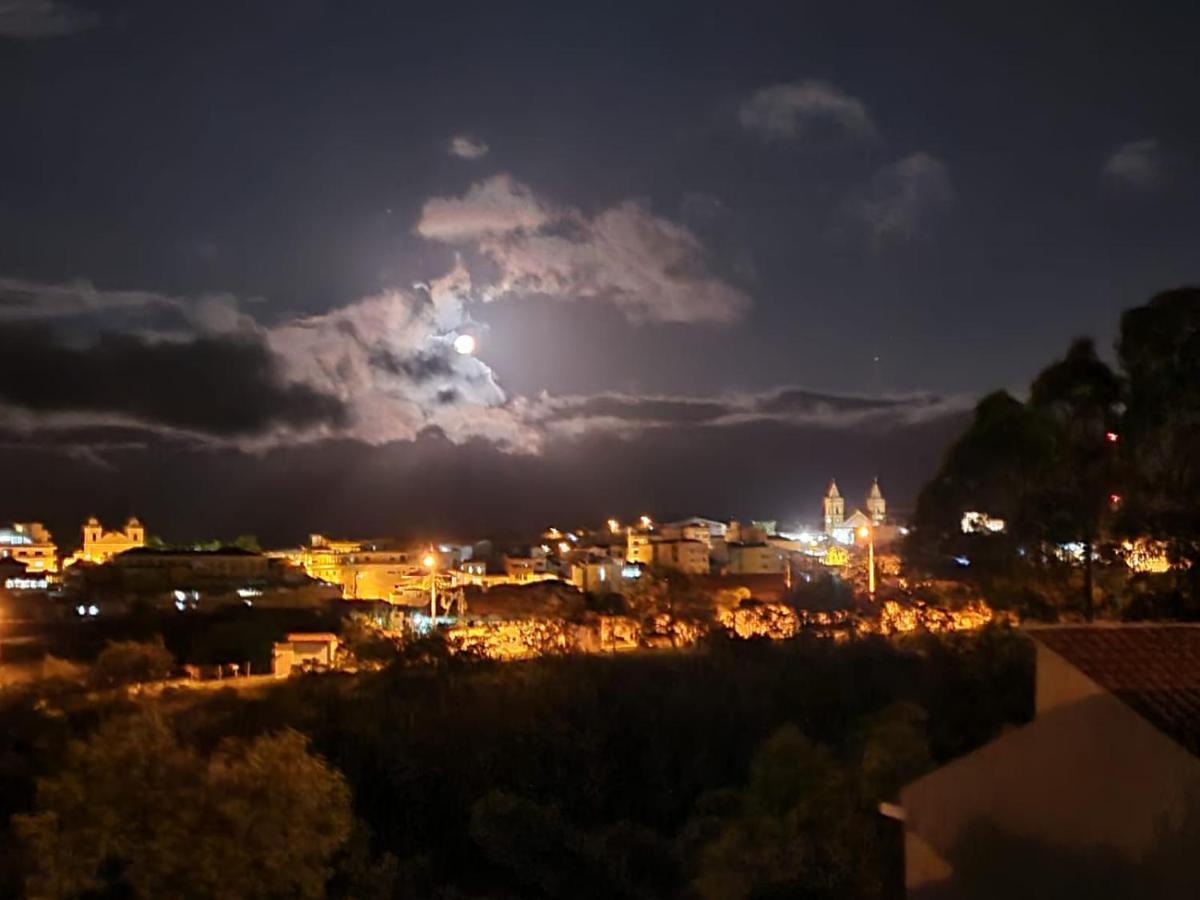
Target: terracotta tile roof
x=1155 y=669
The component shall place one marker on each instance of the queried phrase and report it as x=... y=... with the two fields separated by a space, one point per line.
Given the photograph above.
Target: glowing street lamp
x=430 y=562
x=614 y=526
x=866 y=531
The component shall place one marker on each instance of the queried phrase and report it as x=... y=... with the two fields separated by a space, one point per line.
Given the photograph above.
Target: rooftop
x=220 y=551
x=1154 y=669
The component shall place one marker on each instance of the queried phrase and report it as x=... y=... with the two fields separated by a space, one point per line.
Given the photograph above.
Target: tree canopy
x=134 y=809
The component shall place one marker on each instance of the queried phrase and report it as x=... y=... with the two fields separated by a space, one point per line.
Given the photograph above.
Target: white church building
x=842 y=528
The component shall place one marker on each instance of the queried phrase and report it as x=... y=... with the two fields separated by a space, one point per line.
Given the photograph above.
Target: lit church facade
x=99 y=545
x=842 y=528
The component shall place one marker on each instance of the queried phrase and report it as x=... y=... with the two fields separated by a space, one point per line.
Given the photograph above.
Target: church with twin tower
x=842 y=527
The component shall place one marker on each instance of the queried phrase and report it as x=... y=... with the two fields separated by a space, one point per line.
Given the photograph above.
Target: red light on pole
x=1111 y=436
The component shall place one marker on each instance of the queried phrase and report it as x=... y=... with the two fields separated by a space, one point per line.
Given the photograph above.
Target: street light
x=430 y=562
x=866 y=531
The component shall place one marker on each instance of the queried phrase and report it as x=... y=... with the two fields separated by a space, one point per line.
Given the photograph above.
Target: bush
x=131 y=662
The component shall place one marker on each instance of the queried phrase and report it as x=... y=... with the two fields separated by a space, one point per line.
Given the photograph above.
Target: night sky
x=712 y=254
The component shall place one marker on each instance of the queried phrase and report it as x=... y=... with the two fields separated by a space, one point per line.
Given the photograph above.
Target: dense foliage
x=740 y=769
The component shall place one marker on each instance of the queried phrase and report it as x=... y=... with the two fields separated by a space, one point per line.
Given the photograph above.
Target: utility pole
x=431 y=564
x=868 y=531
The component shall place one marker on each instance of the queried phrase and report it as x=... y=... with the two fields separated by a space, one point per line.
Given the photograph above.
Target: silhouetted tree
x=134 y=810
x=1159 y=349
x=1079 y=397
x=796 y=830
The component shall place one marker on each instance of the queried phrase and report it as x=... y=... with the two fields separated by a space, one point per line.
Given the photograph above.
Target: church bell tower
x=876 y=505
x=835 y=507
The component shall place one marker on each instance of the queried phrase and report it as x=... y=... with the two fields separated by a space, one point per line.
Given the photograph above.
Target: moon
x=465 y=344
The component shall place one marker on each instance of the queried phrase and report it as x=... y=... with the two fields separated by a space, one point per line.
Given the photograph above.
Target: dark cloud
x=805 y=110
x=432 y=486
x=1136 y=164
x=32 y=19
x=420 y=367
x=219 y=386
x=647 y=410
x=625 y=413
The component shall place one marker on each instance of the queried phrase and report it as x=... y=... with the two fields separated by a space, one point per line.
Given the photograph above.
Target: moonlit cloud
x=392 y=365
x=1136 y=164
x=34 y=19
x=651 y=268
x=498 y=205
x=902 y=200
x=378 y=370
x=805 y=109
x=466 y=147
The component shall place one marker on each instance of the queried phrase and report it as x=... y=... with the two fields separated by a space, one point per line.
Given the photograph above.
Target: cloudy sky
x=712 y=254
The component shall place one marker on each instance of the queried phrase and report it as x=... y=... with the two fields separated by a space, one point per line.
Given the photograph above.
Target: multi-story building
x=637 y=547
x=526 y=565
x=674 y=547
x=363 y=570
x=30 y=544
x=681 y=555
x=697 y=528
x=746 y=533
x=757 y=559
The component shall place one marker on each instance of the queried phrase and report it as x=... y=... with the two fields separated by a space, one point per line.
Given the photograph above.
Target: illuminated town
x=502 y=601
x=598 y=588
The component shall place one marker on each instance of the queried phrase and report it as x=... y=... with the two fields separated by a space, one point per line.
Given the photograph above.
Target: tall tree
x=1080 y=398
x=1159 y=348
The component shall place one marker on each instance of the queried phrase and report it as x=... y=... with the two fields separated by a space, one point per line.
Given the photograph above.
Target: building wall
x=598 y=577
x=30 y=544
x=683 y=556
x=638 y=549
x=756 y=559
x=376 y=580
x=1088 y=775
x=523 y=567
x=1059 y=683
